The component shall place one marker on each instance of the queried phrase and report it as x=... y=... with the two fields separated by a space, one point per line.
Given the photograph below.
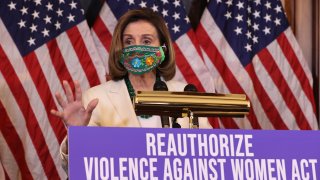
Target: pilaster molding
x=316 y=54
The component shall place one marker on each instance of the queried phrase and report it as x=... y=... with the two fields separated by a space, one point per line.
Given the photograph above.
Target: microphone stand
x=161 y=86
x=193 y=121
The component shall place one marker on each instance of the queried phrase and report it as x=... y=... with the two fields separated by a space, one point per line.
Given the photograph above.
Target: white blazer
x=115 y=108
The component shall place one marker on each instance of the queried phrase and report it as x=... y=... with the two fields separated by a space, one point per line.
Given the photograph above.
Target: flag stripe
x=293 y=83
x=58 y=61
x=6 y=174
x=227 y=76
x=284 y=89
x=102 y=33
x=50 y=67
x=109 y=22
x=243 y=123
x=263 y=59
x=273 y=93
x=235 y=68
x=38 y=78
x=298 y=70
x=32 y=123
x=214 y=122
x=268 y=106
x=296 y=48
x=83 y=56
x=13 y=141
x=186 y=69
x=225 y=72
x=103 y=53
x=179 y=76
x=192 y=36
x=229 y=122
x=49 y=56
x=71 y=60
x=194 y=61
x=237 y=122
x=7 y=159
x=32 y=98
x=108 y=17
x=19 y=122
x=96 y=60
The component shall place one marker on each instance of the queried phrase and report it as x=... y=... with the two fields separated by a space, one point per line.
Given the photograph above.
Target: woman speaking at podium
x=141 y=53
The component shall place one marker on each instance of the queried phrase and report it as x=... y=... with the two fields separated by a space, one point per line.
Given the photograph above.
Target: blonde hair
x=167 y=68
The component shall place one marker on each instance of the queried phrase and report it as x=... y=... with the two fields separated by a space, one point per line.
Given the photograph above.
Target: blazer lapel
x=119 y=97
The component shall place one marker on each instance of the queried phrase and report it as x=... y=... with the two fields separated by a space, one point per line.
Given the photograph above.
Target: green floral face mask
x=141 y=59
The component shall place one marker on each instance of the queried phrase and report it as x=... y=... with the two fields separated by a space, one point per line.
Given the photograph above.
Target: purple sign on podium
x=149 y=153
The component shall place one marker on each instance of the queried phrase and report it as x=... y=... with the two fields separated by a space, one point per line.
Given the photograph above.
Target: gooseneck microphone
x=192 y=88
x=161 y=86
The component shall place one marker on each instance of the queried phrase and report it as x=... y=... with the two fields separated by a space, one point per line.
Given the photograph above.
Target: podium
x=165 y=153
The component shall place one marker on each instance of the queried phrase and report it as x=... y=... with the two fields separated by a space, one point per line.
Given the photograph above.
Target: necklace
x=133 y=94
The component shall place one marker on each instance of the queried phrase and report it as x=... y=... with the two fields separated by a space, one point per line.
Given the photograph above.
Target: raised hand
x=74 y=113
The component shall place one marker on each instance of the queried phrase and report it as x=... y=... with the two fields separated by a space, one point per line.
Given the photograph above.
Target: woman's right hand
x=73 y=112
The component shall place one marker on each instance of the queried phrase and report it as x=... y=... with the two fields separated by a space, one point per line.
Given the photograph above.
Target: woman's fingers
x=78 y=91
x=68 y=91
x=92 y=104
x=56 y=113
x=60 y=100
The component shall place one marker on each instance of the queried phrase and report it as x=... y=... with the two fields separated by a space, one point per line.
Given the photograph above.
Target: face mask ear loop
x=164 y=48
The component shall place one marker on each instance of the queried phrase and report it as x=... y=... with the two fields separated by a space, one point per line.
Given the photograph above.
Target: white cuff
x=63 y=149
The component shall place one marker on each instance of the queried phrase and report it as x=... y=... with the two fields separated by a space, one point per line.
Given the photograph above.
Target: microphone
x=175 y=124
x=192 y=88
x=161 y=86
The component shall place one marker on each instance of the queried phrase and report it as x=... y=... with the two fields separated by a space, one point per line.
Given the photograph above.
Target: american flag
x=249 y=48
x=42 y=43
x=190 y=65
